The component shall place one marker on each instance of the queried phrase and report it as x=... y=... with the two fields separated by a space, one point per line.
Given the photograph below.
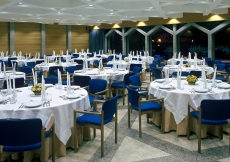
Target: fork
x=21 y=106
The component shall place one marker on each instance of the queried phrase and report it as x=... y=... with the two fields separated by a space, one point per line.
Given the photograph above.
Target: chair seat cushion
x=92 y=119
x=117 y=85
x=92 y=98
x=195 y=114
x=21 y=148
x=223 y=79
x=145 y=106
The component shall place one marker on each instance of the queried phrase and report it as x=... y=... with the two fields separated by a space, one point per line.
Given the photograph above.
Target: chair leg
x=188 y=127
x=221 y=133
x=128 y=116
x=116 y=130
x=199 y=138
x=94 y=132
x=102 y=141
x=147 y=116
x=123 y=95
x=140 y=133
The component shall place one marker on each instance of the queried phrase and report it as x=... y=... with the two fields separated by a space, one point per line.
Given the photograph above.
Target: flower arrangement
x=187 y=65
x=101 y=68
x=191 y=79
x=57 y=62
x=37 y=88
x=185 y=58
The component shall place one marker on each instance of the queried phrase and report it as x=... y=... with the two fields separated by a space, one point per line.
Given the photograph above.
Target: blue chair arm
x=88 y=112
x=191 y=106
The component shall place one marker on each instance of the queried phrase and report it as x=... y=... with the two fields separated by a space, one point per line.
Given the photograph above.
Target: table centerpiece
x=191 y=79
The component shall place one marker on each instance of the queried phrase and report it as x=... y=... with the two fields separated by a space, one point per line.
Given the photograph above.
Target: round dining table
x=10 y=74
x=176 y=100
x=29 y=105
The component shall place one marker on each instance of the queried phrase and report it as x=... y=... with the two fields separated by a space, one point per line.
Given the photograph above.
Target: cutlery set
x=46 y=104
x=6 y=101
x=21 y=106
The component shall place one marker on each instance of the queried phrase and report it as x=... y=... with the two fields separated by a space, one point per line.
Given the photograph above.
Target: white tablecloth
x=61 y=109
x=172 y=68
x=46 y=67
x=90 y=59
x=107 y=74
x=23 y=62
x=176 y=101
x=147 y=59
x=125 y=65
x=174 y=61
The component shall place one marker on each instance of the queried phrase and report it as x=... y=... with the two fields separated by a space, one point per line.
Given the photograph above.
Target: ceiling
x=95 y=12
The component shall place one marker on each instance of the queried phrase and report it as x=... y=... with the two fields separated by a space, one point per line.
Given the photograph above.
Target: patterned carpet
x=150 y=148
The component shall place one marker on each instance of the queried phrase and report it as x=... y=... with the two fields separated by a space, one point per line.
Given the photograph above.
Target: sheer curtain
x=96 y=40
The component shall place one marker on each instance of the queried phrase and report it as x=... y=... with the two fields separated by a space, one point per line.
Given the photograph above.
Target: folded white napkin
x=75 y=50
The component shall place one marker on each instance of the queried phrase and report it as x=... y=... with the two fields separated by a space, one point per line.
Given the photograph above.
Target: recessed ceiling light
x=150 y=7
x=20 y=3
x=111 y=13
x=90 y=5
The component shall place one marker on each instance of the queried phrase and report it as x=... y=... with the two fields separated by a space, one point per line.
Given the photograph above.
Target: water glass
x=30 y=86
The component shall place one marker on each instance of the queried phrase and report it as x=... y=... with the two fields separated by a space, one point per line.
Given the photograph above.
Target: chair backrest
x=215 y=109
x=136 y=69
x=75 y=55
x=210 y=63
x=70 y=69
x=78 y=61
x=183 y=73
x=81 y=81
x=20 y=132
x=152 y=65
x=133 y=65
x=220 y=66
x=226 y=67
x=109 y=107
x=9 y=61
x=133 y=96
x=51 y=80
x=26 y=69
x=156 y=73
x=97 y=85
x=32 y=64
x=217 y=62
x=39 y=61
x=196 y=73
x=135 y=80
x=110 y=58
x=52 y=68
x=126 y=78
x=79 y=66
x=207 y=59
x=19 y=82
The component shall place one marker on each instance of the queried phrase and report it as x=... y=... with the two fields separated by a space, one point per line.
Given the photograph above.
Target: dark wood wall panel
x=27 y=37
x=4 y=36
x=80 y=37
x=55 y=38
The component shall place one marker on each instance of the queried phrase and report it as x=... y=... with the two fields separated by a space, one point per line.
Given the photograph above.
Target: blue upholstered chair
x=122 y=85
x=97 y=120
x=53 y=71
x=51 y=80
x=217 y=62
x=96 y=90
x=25 y=135
x=144 y=107
x=19 y=82
x=9 y=64
x=39 y=61
x=195 y=73
x=156 y=73
x=207 y=59
x=210 y=63
x=131 y=67
x=183 y=73
x=151 y=67
x=81 y=80
x=135 y=83
x=210 y=112
x=31 y=64
x=136 y=69
x=70 y=69
x=220 y=67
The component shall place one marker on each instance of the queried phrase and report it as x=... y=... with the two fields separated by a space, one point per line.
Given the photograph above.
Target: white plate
x=160 y=80
x=33 y=104
x=90 y=73
x=122 y=69
x=107 y=67
x=111 y=73
x=183 y=77
x=19 y=73
x=167 y=86
x=49 y=85
x=71 y=96
x=78 y=71
x=74 y=87
x=224 y=86
x=201 y=90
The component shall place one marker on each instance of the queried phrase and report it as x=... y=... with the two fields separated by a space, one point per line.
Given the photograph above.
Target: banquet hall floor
x=153 y=146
